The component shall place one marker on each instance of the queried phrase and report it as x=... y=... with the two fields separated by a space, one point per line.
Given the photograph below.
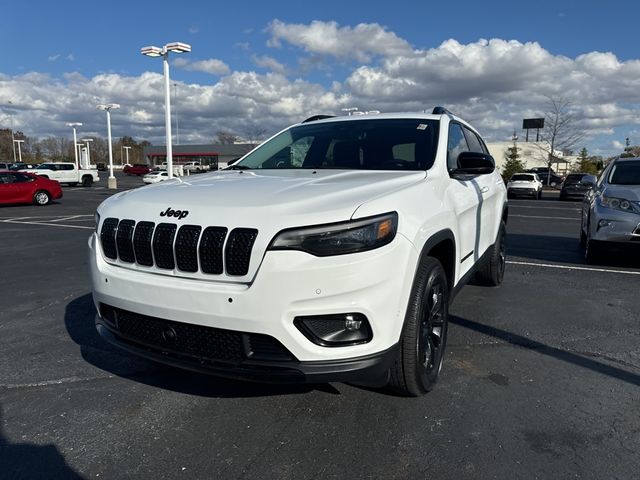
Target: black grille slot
x=124 y=240
x=211 y=249
x=264 y=347
x=108 y=237
x=142 y=243
x=163 y=245
x=187 y=248
x=238 y=251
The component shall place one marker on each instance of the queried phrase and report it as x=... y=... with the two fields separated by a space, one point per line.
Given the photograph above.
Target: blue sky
x=261 y=50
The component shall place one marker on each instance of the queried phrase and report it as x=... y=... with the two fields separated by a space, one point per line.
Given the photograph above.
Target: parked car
x=23 y=166
x=553 y=179
x=332 y=254
x=101 y=166
x=20 y=187
x=137 y=169
x=4 y=165
x=524 y=184
x=196 y=167
x=65 y=172
x=572 y=187
x=539 y=170
x=156 y=176
x=611 y=208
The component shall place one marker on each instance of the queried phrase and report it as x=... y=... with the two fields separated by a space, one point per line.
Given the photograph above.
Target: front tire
x=492 y=272
x=424 y=336
x=41 y=198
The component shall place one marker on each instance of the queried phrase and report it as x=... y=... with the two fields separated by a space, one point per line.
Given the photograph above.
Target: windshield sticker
x=422 y=126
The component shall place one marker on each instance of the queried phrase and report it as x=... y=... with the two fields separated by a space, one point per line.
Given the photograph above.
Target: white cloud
x=270 y=63
x=193 y=30
x=70 y=57
x=616 y=145
x=327 y=38
x=212 y=66
x=53 y=58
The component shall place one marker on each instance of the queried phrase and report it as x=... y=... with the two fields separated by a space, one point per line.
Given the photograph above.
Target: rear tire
x=492 y=272
x=424 y=335
x=87 y=181
x=41 y=198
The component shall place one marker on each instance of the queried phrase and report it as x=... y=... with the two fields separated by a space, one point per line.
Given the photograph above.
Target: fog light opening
x=335 y=330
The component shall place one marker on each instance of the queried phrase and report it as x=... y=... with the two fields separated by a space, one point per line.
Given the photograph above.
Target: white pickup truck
x=66 y=172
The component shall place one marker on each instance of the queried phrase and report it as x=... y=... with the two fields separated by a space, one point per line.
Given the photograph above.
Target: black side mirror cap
x=589 y=180
x=474 y=163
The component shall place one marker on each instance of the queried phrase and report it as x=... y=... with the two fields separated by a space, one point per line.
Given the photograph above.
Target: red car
x=137 y=169
x=19 y=187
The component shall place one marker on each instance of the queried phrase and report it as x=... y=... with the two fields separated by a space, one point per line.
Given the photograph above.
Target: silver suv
x=611 y=208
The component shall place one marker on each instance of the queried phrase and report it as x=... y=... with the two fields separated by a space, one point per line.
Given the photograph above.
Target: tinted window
x=376 y=144
x=67 y=167
x=573 y=179
x=625 y=173
x=473 y=141
x=456 y=145
x=21 y=178
x=4 y=178
x=522 y=178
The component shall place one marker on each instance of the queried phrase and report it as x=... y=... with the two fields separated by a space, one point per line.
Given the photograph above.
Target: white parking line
x=546 y=208
x=570 y=267
x=46 y=224
x=540 y=216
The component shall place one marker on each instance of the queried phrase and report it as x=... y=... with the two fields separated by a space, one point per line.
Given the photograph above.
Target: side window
x=21 y=178
x=474 y=142
x=457 y=144
x=67 y=167
x=4 y=178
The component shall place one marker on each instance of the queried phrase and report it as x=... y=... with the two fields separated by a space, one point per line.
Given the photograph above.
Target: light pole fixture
x=111 y=183
x=19 y=149
x=350 y=110
x=87 y=140
x=126 y=149
x=152 y=51
x=75 y=139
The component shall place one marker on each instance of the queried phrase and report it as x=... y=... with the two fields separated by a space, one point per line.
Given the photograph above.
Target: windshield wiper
x=238 y=167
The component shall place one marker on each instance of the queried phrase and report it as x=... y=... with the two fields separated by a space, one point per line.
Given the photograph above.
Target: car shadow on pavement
x=579 y=359
x=24 y=460
x=566 y=250
x=79 y=322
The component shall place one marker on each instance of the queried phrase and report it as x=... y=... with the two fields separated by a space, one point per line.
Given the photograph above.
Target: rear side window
x=475 y=144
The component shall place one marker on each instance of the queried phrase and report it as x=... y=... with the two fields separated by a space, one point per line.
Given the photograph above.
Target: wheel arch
x=442 y=246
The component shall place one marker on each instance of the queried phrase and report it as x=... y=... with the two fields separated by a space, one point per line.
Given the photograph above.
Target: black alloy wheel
x=424 y=337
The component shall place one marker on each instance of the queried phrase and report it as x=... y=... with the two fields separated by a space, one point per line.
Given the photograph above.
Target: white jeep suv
x=329 y=253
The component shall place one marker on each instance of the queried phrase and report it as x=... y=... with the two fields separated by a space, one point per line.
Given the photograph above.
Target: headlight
x=96 y=217
x=620 y=204
x=339 y=238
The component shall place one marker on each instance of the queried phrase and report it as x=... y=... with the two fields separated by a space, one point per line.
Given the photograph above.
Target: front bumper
x=371 y=369
x=610 y=225
x=288 y=284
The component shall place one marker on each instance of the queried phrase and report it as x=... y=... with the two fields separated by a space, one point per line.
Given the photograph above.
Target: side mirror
x=589 y=180
x=474 y=163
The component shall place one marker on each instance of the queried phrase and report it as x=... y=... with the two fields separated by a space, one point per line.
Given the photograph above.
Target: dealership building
x=214 y=156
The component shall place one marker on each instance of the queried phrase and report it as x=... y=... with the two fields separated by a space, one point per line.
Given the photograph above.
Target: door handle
x=484 y=189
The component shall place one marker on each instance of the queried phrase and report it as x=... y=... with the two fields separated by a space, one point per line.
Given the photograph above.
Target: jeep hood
x=268 y=199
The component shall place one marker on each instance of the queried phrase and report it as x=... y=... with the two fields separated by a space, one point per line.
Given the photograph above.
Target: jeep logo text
x=179 y=214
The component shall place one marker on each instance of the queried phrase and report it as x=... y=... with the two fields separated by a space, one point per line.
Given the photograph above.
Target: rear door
x=8 y=190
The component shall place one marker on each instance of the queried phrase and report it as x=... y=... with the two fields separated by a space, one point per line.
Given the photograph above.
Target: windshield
x=380 y=144
x=573 y=179
x=522 y=178
x=625 y=173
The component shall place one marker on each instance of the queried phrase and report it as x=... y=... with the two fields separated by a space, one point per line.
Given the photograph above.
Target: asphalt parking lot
x=541 y=378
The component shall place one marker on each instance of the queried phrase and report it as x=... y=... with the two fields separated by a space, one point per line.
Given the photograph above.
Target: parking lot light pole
x=75 y=139
x=112 y=183
x=126 y=149
x=19 y=149
x=152 y=51
x=87 y=140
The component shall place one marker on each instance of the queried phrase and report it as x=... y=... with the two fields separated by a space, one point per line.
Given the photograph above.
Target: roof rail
x=313 y=118
x=441 y=111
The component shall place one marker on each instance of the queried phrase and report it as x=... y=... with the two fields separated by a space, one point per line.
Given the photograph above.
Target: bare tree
x=226 y=138
x=255 y=134
x=560 y=132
